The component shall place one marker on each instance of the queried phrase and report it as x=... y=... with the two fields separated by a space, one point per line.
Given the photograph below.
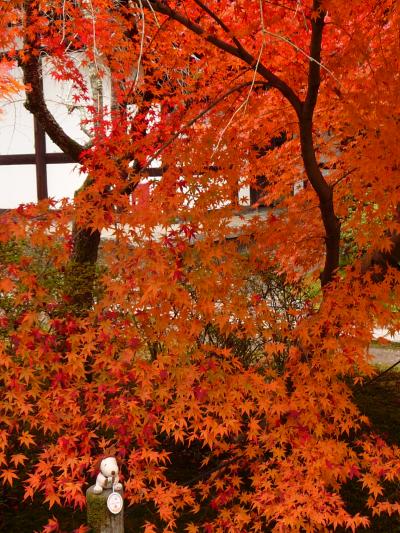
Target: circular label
x=115 y=503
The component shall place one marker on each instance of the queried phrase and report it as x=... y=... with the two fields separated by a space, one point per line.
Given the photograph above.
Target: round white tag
x=115 y=503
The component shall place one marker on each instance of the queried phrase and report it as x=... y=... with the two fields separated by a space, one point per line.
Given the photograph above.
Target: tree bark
x=326 y=205
x=324 y=191
x=80 y=273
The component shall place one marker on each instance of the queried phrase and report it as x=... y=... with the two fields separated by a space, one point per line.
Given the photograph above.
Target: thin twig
x=260 y=53
x=221 y=23
x=211 y=471
x=141 y=46
x=154 y=14
x=382 y=373
x=63 y=22
x=310 y=58
x=201 y=114
x=243 y=105
x=95 y=52
x=274 y=80
x=342 y=177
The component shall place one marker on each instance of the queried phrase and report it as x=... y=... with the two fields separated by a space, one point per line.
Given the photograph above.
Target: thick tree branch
x=314 y=69
x=322 y=188
x=220 y=23
x=239 y=52
x=35 y=102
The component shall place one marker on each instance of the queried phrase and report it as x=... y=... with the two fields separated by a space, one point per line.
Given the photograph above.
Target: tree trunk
x=80 y=274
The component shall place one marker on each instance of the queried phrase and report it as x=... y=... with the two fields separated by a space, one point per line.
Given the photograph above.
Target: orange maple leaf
x=8 y=476
x=18 y=459
x=26 y=439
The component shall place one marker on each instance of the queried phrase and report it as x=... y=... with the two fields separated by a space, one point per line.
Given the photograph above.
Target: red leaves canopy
x=208 y=339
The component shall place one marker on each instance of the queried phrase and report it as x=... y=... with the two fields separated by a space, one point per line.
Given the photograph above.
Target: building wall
x=18 y=182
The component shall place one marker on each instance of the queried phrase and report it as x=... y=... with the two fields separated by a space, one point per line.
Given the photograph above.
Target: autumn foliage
x=211 y=348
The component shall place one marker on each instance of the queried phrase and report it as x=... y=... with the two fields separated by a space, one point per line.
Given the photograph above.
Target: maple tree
x=200 y=334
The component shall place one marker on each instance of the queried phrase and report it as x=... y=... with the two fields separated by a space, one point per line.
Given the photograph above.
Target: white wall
x=18 y=182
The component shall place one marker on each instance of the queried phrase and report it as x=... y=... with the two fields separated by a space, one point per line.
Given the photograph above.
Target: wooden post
x=40 y=153
x=99 y=518
x=40 y=160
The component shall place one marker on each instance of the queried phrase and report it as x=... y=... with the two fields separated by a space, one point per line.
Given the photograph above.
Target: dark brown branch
x=342 y=178
x=30 y=159
x=220 y=23
x=314 y=69
x=40 y=160
x=35 y=102
x=240 y=52
x=381 y=374
x=314 y=173
x=324 y=191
